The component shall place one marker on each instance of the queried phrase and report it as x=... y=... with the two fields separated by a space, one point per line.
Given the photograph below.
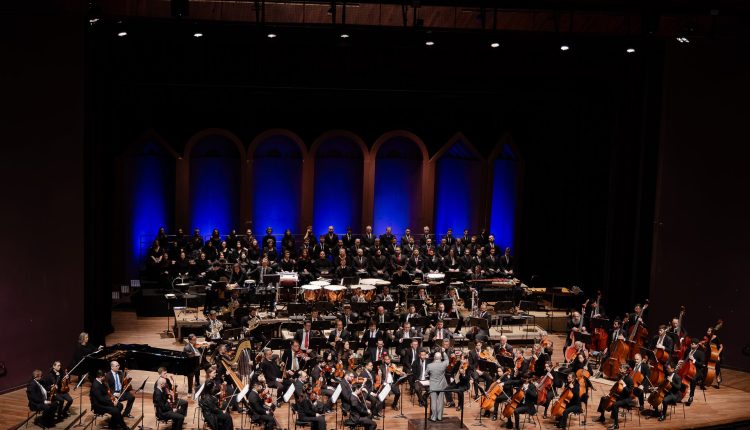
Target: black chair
x=33 y=415
x=530 y=416
x=673 y=409
x=96 y=416
x=630 y=410
x=295 y=418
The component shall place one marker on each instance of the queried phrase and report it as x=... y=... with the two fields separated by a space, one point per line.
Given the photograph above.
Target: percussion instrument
x=369 y=292
x=321 y=282
x=311 y=293
x=249 y=283
x=374 y=281
x=335 y=293
x=435 y=277
x=288 y=279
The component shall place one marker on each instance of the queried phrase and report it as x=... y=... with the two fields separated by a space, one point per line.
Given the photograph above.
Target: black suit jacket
x=416 y=369
x=110 y=380
x=99 y=397
x=256 y=405
x=668 y=343
x=35 y=396
x=344 y=335
x=270 y=370
x=161 y=403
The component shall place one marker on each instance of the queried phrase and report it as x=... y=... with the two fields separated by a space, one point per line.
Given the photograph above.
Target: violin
x=64 y=383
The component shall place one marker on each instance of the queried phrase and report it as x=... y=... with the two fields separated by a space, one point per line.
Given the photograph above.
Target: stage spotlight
x=271 y=35
x=122 y=33
x=196 y=35
x=564 y=47
x=630 y=50
x=683 y=40
x=429 y=43
x=344 y=35
x=495 y=45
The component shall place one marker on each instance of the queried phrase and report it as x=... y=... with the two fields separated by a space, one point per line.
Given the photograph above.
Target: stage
x=722 y=406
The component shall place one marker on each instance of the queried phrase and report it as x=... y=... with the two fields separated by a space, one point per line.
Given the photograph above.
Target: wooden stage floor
x=721 y=408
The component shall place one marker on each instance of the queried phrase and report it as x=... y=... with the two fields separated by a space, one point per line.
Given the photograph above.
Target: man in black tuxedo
x=310 y=412
x=491 y=245
x=426 y=234
x=338 y=334
x=258 y=411
x=699 y=360
x=386 y=239
x=360 y=415
x=37 y=394
x=375 y=352
x=449 y=239
x=162 y=408
x=331 y=239
x=348 y=238
x=416 y=264
x=506 y=262
x=368 y=239
x=114 y=380
x=102 y=404
x=419 y=373
x=406 y=238
x=662 y=340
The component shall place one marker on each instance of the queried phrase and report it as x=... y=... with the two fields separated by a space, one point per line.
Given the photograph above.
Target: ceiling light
x=198 y=35
x=630 y=50
x=344 y=36
x=122 y=34
x=429 y=43
x=564 y=47
x=495 y=45
x=271 y=35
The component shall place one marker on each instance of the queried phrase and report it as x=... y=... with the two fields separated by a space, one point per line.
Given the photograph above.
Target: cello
x=495 y=390
x=562 y=403
x=685 y=341
x=619 y=350
x=542 y=387
x=515 y=402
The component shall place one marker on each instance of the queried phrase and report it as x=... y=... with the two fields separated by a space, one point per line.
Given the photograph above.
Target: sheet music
x=243 y=393
x=384 y=392
x=336 y=394
x=200 y=390
x=288 y=394
x=424 y=383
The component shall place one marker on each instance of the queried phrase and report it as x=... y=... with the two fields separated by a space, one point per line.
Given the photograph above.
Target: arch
x=409 y=175
x=458 y=169
x=146 y=195
x=338 y=202
x=214 y=171
x=281 y=190
x=505 y=167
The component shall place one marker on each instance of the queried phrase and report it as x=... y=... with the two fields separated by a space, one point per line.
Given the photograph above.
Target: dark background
x=600 y=133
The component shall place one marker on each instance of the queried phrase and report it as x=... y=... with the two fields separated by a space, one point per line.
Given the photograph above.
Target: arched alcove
x=147 y=197
x=339 y=159
x=276 y=182
x=399 y=162
x=214 y=182
x=458 y=186
x=506 y=167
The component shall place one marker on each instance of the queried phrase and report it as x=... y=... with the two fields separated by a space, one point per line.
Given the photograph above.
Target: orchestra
x=382 y=312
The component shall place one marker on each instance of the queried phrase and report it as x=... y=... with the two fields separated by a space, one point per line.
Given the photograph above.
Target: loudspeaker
x=180 y=8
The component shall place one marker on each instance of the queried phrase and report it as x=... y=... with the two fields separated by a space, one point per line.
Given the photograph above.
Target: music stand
x=320 y=325
x=582 y=337
x=419 y=322
x=349 y=280
x=80 y=400
x=140 y=389
x=388 y=306
x=324 y=307
x=418 y=303
x=168 y=297
x=278 y=344
x=482 y=323
x=482 y=396
x=360 y=308
x=296 y=308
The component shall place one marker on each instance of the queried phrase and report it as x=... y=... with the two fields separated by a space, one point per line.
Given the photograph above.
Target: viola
x=64 y=382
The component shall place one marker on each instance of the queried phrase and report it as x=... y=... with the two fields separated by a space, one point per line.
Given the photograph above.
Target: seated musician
x=360 y=264
x=466 y=261
x=508 y=383
x=214 y=327
x=181 y=405
x=359 y=296
x=164 y=410
x=287 y=264
x=385 y=296
x=322 y=265
x=695 y=355
x=213 y=412
x=503 y=347
x=304 y=267
x=375 y=352
x=372 y=334
x=642 y=367
x=415 y=265
x=55 y=379
x=389 y=374
x=433 y=263
x=270 y=369
x=237 y=277
x=304 y=335
x=439 y=332
x=411 y=313
x=101 y=403
x=269 y=251
x=259 y=413
x=573 y=325
x=347 y=316
x=419 y=373
x=624 y=399
x=662 y=340
x=371 y=393
x=491 y=263
x=338 y=335
x=38 y=397
x=522 y=361
x=318 y=375
x=542 y=358
x=440 y=314
x=574 y=405
x=675 y=393
x=400 y=276
x=359 y=413
x=309 y=411
x=381 y=316
x=477 y=375
x=546 y=371
x=477 y=273
x=294 y=359
x=115 y=378
x=379 y=265
x=404 y=335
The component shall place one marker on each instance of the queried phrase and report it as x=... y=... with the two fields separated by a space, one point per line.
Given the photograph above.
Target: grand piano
x=141 y=357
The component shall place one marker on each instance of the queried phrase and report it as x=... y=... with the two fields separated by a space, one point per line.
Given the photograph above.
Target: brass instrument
x=215 y=329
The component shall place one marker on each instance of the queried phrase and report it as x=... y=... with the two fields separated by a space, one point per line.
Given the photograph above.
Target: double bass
x=638 y=334
x=712 y=355
x=599 y=337
x=571 y=351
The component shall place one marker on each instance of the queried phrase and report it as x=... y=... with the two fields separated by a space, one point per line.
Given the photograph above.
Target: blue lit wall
x=214 y=185
x=338 y=186
x=504 y=200
x=457 y=195
x=149 y=199
x=277 y=185
x=398 y=186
